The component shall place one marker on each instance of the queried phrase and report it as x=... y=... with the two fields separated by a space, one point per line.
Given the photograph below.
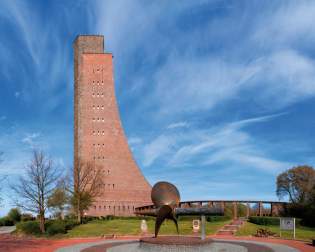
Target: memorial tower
x=98 y=133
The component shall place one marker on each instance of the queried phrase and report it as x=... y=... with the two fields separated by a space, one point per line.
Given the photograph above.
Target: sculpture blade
x=163 y=213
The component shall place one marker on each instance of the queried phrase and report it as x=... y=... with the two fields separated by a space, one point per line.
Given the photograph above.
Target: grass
x=132 y=227
x=302 y=233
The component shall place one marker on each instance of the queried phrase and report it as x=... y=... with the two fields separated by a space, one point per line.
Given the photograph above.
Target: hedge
x=266 y=221
x=218 y=218
x=52 y=226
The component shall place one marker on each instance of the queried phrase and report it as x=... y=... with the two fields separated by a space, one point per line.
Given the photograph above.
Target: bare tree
x=86 y=186
x=36 y=186
x=2 y=178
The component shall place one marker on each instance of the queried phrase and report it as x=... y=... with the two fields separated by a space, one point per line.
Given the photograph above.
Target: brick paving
x=11 y=243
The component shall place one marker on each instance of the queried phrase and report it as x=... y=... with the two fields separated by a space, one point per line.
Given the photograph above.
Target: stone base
x=176 y=240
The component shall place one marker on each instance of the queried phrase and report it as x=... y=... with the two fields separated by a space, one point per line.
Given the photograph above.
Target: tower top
x=89 y=44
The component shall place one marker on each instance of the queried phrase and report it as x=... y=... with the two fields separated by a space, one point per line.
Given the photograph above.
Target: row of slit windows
x=98 y=83
x=99 y=145
x=99 y=158
x=123 y=208
x=97 y=107
x=97 y=94
x=98 y=120
x=98 y=133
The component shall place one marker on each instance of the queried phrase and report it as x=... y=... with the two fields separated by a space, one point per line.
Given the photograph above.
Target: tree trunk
x=42 y=222
x=79 y=212
x=62 y=215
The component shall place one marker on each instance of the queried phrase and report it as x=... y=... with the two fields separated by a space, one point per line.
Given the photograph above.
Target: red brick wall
x=98 y=133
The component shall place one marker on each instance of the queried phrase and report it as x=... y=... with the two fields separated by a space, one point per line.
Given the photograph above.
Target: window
x=113 y=186
x=93 y=132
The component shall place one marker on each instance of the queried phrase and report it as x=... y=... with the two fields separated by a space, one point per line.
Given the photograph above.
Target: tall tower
x=98 y=133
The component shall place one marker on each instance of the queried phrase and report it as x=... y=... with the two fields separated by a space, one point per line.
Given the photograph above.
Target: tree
x=58 y=200
x=36 y=186
x=296 y=183
x=2 y=177
x=15 y=215
x=87 y=182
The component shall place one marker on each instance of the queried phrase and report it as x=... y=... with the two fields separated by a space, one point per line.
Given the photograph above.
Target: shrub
x=14 y=215
x=5 y=221
x=56 y=227
x=267 y=221
x=69 y=224
x=27 y=217
x=29 y=227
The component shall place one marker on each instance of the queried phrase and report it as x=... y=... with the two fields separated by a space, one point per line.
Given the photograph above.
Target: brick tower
x=98 y=133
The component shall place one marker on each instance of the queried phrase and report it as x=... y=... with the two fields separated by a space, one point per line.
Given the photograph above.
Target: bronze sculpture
x=166 y=199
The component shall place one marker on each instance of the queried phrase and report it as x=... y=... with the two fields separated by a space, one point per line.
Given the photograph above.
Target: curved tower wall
x=98 y=133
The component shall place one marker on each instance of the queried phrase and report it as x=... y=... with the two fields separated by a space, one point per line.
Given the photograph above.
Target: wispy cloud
x=30 y=139
x=178 y=125
x=155 y=149
x=229 y=144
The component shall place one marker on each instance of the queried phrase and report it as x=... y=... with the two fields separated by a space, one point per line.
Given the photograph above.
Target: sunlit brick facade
x=98 y=133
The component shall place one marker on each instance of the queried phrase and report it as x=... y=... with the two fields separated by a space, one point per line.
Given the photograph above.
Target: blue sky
x=216 y=97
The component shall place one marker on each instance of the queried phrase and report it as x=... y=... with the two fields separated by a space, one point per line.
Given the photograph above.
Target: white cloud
x=30 y=139
x=160 y=146
x=17 y=94
x=290 y=23
x=134 y=141
x=178 y=125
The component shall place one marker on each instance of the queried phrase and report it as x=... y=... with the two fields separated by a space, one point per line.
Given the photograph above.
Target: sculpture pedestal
x=175 y=240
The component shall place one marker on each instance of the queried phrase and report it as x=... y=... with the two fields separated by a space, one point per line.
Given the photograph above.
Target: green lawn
x=302 y=233
x=132 y=227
